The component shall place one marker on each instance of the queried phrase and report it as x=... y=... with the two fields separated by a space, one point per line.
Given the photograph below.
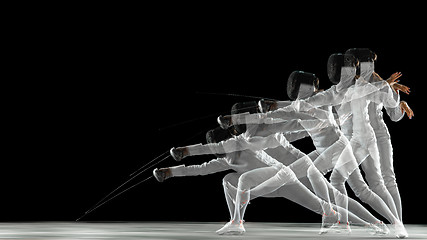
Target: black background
x=94 y=105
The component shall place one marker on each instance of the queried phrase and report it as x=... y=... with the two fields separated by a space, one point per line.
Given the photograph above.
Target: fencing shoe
x=379 y=228
x=400 y=231
x=232 y=228
x=328 y=221
x=340 y=227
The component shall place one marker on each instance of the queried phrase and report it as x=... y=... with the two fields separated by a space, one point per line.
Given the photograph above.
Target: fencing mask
x=335 y=63
x=217 y=135
x=363 y=55
x=243 y=107
x=301 y=85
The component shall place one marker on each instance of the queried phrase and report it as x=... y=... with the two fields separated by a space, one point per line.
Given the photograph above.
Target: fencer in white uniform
x=285 y=184
x=364 y=144
x=319 y=185
x=288 y=127
x=385 y=148
x=381 y=132
x=358 y=105
x=362 y=137
x=327 y=97
x=333 y=148
x=356 y=102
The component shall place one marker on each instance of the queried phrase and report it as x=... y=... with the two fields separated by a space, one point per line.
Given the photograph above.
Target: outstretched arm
x=277 y=116
x=235 y=144
x=210 y=167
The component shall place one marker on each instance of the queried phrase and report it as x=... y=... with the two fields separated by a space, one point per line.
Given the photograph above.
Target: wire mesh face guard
x=243 y=107
x=217 y=135
x=306 y=90
x=362 y=55
x=347 y=78
x=335 y=63
x=299 y=78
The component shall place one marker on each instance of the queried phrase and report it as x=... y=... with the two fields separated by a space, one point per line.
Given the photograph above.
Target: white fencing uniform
x=385 y=148
x=282 y=180
x=364 y=144
x=331 y=97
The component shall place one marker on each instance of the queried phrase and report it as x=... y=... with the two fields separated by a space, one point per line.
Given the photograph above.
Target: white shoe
x=328 y=221
x=232 y=228
x=341 y=228
x=400 y=231
x=379 y=229
x=325 y=229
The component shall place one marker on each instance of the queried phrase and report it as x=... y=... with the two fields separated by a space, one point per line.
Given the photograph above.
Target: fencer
x=333 y=148
x=363 y=143
x=287 y=186
x=241 y=162
x=198 y=149
x=381 y=131
x=321 y=191
x=296 y=161
x=325 y=98
x=295 y=127
x=363 y=140
x=360 y=187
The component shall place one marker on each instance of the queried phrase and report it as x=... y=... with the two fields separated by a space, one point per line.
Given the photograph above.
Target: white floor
x=182 y=230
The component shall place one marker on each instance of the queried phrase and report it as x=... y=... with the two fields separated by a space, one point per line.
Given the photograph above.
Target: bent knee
x=246 y=182
x=231 y=178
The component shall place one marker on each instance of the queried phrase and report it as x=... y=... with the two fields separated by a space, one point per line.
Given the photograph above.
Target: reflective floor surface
x=182 y=230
